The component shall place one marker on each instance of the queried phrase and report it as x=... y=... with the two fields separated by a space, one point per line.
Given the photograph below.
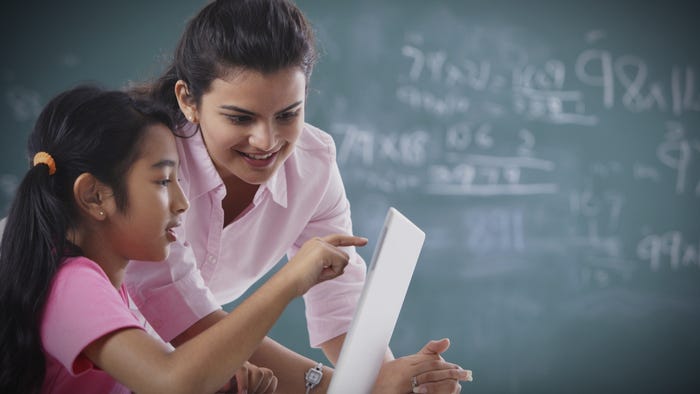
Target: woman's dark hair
x=85 y=129
x=226 y=35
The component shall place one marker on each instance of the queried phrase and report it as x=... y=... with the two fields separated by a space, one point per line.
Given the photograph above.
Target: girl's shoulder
x=72 y=267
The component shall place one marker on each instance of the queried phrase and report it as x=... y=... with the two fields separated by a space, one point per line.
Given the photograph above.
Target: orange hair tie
x=45 y=158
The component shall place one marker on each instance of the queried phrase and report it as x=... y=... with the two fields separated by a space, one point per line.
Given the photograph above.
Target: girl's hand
x=251 y=379
x=431 y=372
x=320 y=259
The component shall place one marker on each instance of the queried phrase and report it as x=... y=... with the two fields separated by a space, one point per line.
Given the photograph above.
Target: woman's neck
x=239 y=195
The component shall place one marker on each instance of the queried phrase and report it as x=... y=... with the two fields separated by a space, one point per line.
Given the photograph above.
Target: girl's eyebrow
x=247 y=112
x=164 y=163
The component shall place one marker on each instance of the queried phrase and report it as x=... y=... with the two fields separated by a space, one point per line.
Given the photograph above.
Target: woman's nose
x=263 y=137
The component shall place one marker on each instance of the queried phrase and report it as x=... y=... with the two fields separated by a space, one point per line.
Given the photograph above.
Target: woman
x=260 y=183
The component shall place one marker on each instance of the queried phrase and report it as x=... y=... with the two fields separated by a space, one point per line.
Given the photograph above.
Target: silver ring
x=414 y=383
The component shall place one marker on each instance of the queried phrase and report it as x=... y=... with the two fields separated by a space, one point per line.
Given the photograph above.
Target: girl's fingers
x=344 y=240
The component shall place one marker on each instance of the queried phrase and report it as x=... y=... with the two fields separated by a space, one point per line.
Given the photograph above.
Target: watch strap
x=313 y=376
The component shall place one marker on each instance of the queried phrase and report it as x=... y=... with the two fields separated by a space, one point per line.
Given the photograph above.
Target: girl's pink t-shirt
x=82 y=306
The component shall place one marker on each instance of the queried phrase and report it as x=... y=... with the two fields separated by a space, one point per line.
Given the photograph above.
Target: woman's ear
x=90 y=195
x=187 y=104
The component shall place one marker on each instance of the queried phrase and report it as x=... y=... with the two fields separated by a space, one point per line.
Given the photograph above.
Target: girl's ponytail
x=34 y=233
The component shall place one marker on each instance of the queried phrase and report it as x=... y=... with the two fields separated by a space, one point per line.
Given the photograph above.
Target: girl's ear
x=186 y=101
x=90 y=195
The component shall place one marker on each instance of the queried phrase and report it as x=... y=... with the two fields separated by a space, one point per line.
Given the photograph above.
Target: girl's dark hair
x=85 y=129
x=259 y=35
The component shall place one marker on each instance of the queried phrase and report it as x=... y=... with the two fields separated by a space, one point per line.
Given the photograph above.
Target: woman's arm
x=289 y=368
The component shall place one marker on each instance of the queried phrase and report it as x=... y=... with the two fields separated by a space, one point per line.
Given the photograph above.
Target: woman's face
x=251 y=121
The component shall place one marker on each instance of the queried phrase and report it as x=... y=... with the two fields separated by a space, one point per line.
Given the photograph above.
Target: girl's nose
x=179 y=202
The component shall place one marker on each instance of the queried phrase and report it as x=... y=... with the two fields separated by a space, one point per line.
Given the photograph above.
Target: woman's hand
x=320 y=259
x=423 y=372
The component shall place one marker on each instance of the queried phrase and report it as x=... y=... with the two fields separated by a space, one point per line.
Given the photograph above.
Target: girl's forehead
x=158 y=142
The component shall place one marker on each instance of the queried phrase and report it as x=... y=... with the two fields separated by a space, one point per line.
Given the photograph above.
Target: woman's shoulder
x=313 y=139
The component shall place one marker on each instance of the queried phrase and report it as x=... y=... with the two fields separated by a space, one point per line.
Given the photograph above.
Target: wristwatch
x=313 y=377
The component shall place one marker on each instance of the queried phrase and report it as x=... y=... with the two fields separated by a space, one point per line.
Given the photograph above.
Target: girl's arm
x=207 y=361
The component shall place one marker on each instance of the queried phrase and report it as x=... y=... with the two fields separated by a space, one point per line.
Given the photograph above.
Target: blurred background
x=549 y=149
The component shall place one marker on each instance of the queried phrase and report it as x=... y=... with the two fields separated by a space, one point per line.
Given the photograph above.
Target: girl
x=103 y=190
x=261 y=182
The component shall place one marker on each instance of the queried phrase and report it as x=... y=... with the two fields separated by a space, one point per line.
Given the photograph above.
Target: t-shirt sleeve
x=82 y=307
x=331 y=305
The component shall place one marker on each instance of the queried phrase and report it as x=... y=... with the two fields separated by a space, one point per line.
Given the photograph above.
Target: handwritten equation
x=601 y=130
x=486 y=121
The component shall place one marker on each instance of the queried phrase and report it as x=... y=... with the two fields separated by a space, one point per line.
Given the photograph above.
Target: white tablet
x=388 y=276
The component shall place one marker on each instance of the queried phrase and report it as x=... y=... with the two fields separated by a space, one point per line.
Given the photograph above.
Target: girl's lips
x=171 y=235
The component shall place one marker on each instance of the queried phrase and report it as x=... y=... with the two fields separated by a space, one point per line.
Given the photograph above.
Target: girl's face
x=154 y=200
x=251 y=121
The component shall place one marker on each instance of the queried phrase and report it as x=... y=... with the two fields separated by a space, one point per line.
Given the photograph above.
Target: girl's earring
x=102 y=213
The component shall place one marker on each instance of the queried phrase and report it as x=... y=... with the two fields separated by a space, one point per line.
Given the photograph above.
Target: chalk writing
x=488 y=176
x=452 y=169
x=683 y=90
x=494 y=230
x=462 y=136
x=677 y=152
x=434 y=66
x=441 y=106
x=644 y=171
x=539 y=92
x=669 y=250
x=607 y=205
x=558 y=107
x=597 y=67
x=408 y=149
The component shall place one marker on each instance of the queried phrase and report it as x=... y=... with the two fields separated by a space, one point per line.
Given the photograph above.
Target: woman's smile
x=259 y=159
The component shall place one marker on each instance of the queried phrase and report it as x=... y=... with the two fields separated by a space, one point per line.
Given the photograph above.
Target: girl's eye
x=163 y=182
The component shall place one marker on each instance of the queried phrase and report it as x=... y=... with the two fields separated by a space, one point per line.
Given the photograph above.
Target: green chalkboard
x=549 y=149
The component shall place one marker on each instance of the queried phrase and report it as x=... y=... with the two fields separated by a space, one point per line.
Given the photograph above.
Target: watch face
x=314 y=376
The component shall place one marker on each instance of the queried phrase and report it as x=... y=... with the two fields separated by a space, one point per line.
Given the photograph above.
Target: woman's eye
x=238 y=119
x=288 y=115
x=164 y=182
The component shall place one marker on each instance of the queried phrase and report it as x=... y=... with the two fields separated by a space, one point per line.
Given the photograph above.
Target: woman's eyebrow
x=247 y=112
x=237 y=109
x=289 y=107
